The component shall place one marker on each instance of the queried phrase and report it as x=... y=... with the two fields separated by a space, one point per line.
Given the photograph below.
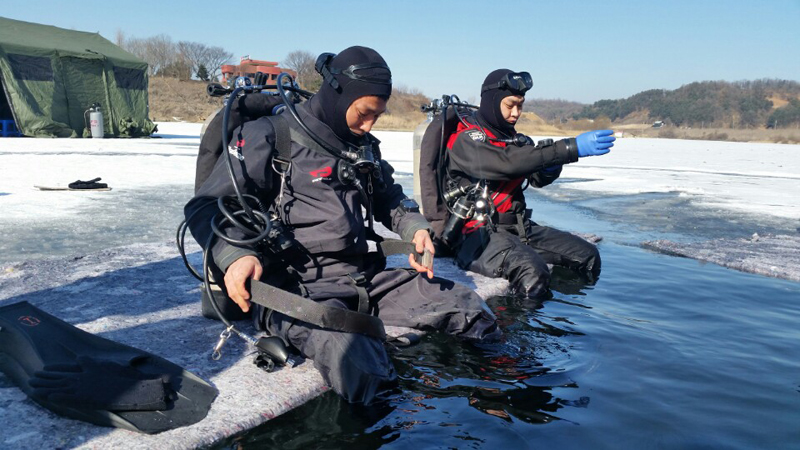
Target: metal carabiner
x=282 y=173
x=223 y=338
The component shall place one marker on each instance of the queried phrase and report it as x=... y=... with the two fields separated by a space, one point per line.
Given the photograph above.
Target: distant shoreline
x=172 y=100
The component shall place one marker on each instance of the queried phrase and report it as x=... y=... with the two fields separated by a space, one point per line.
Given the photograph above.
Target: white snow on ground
x=122 y=164
x=755 y=178
x=747 y=177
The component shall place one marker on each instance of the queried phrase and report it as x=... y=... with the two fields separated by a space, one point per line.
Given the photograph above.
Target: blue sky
x=580 y=51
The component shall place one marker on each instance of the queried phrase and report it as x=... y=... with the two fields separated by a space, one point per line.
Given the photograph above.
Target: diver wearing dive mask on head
x=335 y=175
x=485 y=150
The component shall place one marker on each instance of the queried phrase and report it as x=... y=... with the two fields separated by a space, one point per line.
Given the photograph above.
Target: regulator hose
x=243 y=211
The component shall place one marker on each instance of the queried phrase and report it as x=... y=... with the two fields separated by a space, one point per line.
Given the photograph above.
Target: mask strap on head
x=322 y=66
x=516 y=82
x=350 y=72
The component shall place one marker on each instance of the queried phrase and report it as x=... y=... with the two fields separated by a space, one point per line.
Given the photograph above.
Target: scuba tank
x=95 y=120
x=419 y=132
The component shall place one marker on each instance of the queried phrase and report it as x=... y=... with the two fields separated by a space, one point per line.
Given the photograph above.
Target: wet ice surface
x=107 y=219
x=749 y=178
x=703 y=200
x=151 y=180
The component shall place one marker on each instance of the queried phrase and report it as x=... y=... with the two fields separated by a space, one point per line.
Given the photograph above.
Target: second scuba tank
x=419 y=132
x=95 y=122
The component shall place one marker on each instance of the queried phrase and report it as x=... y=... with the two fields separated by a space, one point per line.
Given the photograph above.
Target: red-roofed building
x=248 y=68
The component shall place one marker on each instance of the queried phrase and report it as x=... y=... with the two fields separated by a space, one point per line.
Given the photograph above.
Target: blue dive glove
x=593 y=143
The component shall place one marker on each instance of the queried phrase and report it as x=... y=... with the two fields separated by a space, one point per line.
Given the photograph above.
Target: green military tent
x=51 y=76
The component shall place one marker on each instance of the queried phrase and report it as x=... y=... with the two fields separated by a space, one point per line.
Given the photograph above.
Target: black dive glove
x=98 y=384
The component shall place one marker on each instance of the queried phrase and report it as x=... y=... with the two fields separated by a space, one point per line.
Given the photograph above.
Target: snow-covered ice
x=750 y=178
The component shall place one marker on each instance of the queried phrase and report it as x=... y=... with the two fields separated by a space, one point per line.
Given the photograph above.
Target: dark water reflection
x=662 y=352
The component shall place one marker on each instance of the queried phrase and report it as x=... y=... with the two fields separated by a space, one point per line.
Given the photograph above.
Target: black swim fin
x=83 y=376
x=99 y=384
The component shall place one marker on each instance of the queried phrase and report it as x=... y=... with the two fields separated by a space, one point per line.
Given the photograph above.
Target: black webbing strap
x=523 y=235
x=308 y=310
x=389 y=247
x=283 y=139
x=506 y=219
x=359 y=281
x=293 y=132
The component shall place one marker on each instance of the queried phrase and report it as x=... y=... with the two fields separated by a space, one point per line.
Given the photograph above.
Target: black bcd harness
x=275 y=299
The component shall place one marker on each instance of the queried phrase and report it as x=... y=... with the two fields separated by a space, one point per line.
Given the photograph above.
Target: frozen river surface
x=662 y=352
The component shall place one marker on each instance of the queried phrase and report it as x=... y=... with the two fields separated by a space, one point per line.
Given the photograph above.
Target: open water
x=662 y=352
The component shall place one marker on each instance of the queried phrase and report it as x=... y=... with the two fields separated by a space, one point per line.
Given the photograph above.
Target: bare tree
x=194 y=54
x=139 y=48
x=157 y=51
x=181 y=60
x=216 y=57
x=162 y=51
x=119 y=38
x=302 y=62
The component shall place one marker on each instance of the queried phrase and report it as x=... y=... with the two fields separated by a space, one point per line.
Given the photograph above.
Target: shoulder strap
x=292 y=132
x=283 y=138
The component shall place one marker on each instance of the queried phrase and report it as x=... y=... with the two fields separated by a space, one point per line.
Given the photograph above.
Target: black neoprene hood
x=489 y=110
x=330 y=104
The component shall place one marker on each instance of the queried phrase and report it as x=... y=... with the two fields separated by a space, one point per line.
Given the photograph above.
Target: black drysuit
x=520 y=249
x=325 y=217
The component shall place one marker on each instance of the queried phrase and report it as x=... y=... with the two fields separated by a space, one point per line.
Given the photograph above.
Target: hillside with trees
x=554 y=110
x=759 y=110
x=709 y=104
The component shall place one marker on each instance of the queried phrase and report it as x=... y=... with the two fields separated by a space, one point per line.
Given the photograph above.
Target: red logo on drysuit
x=29 y=321
x=240 y=143
x=321 y=173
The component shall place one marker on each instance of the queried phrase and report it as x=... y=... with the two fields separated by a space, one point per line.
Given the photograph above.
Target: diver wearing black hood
x=489 y=109
x=354 y=73
x=486 y=148
x=322 y=210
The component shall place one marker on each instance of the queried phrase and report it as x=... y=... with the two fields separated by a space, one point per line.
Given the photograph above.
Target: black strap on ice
x=307 y=310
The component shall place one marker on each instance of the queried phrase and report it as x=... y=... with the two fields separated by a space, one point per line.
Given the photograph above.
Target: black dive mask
x=322 y=66
x=517 y=82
